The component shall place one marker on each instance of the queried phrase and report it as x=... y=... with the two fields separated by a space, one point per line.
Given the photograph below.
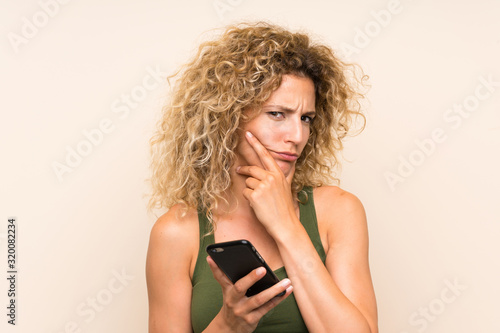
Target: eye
x=276 y=114
x=307 y=119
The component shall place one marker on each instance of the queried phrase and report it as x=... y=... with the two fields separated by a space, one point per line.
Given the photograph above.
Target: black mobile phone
x=238 y=258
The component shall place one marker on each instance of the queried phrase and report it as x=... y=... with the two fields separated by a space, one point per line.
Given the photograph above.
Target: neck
x=236 y=203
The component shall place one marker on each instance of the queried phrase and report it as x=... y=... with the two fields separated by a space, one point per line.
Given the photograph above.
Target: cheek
x=264 y=132
x=266 y=138
x=245 y=150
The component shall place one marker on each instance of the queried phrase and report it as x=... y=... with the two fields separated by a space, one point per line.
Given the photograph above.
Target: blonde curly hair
x=193 y=148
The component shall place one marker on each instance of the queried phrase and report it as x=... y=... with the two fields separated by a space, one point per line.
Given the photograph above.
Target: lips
x=286 y=156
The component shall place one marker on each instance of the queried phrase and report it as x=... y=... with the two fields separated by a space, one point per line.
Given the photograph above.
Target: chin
x=285 y=167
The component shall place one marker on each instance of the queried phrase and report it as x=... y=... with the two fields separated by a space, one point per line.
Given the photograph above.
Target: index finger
x=243 y=284
x=264 y=156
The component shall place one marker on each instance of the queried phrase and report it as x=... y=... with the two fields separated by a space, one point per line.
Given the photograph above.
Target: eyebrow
x=286 y=109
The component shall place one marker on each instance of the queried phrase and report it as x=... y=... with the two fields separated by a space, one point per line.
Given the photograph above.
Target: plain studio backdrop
x=82 y=86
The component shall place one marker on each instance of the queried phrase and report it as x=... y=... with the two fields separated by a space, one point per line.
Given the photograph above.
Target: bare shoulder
x=172 y=251
x=333 y=199
x=177 y=222
x=173 y=228
x=341 y=215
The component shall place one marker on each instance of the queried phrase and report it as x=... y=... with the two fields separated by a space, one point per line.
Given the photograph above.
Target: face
x=282 y=125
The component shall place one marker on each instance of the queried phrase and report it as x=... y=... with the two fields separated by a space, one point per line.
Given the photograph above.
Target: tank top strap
x=309 y=220
x=205 y=240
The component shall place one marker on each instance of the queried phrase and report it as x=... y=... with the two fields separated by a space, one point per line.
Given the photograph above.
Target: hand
x=240 y=313
x=268 y=190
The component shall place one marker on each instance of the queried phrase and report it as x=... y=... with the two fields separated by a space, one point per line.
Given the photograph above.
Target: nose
x=295 y=131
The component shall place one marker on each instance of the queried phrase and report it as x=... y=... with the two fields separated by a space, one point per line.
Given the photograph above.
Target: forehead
x=295 y=92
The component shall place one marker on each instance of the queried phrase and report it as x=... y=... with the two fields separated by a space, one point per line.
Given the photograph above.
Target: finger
x=218 y=274
x=241 y=286
x=262 y=299
x=265 y=158
x=252 y=183
x=260 y=311
x=273 y=302
x=252 y=171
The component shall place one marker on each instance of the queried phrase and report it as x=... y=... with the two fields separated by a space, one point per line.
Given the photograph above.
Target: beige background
x=82 y=235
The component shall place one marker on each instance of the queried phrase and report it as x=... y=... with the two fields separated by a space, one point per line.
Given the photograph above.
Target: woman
x=245 y=151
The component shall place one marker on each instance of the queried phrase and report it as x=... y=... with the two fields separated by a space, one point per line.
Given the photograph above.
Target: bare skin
x=337 y=297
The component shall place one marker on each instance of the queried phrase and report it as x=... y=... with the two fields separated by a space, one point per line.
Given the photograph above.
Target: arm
x=167 y=275
x=338 y=297
x=347 y=259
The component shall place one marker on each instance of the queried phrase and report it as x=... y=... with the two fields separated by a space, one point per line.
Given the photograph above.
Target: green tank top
x=206 y=299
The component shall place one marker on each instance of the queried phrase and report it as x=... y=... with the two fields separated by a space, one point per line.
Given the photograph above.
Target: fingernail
x=238 y=168
x=261 y=271
x=250 y=135
x=286 y=282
